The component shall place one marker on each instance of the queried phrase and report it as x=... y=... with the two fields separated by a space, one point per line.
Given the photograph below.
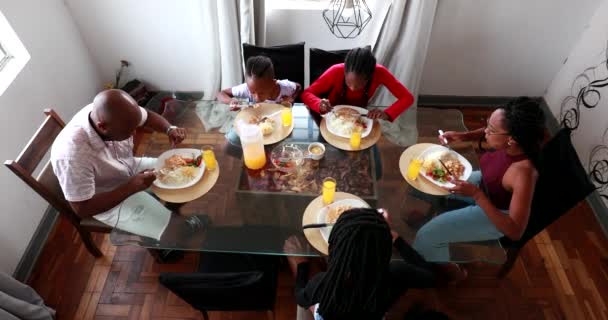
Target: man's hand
x=325 y=106
x=141 y=181
x=177 y=135
x=378 y=114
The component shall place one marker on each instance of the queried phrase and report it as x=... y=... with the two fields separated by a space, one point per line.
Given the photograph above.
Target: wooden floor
x=561 y=274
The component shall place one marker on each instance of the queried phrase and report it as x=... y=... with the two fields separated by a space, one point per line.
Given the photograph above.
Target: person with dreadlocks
x=500 y=195
x=354 y=82
x=260 y=86
x=361 y=281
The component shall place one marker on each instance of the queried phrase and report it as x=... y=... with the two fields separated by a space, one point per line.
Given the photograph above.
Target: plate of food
x=331 y=213
x=342 y=120
x=268 y=117
x=179 y=168
x=441 y=166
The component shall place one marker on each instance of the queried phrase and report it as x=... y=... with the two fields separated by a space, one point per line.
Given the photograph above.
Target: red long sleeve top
x=331 y=83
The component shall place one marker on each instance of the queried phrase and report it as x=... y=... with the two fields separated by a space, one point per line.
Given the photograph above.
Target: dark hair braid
x=259 y=67
x=362 y=62
x=525 y=121
x=355 y=285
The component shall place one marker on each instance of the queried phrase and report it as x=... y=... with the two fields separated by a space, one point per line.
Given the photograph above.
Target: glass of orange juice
x=209 y=158
x=355 y=138
x=414 y=168
x=329 y=190
x=286 y=117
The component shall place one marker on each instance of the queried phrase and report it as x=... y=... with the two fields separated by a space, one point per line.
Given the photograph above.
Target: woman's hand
x=378 y=114
x=451 y=136
x=325 y=106
x=387 y=217
x=465 y=188
x=294 y=246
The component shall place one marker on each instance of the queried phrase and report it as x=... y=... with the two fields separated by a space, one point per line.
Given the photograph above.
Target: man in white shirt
x=93 y=155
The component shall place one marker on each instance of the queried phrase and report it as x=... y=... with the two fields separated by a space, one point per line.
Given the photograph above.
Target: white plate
x=437 y=148
x=322 y=217
x=369 y=122
x=160 y=162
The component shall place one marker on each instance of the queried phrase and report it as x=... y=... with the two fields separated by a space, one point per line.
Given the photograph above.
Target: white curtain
x=232 y=22
x=401 y=46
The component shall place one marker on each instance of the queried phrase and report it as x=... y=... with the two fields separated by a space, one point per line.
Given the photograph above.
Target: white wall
x=586 y=63
x=501 y=48
x=60 y=75
x=164 y=40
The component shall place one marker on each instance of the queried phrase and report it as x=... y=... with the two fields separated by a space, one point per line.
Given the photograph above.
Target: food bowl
x=286 y=157
x=316 y=150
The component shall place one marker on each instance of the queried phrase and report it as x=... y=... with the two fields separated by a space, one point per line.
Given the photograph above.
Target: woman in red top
x=354 y=82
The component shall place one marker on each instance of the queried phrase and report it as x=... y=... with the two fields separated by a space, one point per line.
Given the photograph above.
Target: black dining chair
x=288 y=60
x=227 y=282
x=320 y=60
x=562 y=184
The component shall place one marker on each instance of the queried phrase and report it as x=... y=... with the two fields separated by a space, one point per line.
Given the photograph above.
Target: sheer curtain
x=232 y=22
x=401 y=46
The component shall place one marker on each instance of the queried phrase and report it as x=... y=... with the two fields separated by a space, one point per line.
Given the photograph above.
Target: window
x=13 y=55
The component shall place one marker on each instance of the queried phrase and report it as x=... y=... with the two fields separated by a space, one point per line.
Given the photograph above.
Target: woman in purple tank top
x=500 y=196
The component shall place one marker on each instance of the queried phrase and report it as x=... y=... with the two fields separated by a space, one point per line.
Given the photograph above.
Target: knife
x=317 y=225
x=446 y=168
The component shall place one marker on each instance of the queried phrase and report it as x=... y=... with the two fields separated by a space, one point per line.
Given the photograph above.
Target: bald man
x=93 y=155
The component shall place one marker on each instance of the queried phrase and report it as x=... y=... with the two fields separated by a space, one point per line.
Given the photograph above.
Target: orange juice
x=355 y=139
x=209 y=158
x=286 y=117
x=329 y=190
x=254 y=157
x=414 y=168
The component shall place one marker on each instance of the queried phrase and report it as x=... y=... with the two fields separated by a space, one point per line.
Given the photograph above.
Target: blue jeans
x=233 y=137
x=462 y=225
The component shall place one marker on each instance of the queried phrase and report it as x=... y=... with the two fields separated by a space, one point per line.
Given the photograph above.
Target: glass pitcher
x=252 y=142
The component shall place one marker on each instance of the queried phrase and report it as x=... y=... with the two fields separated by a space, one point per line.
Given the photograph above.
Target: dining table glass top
x=256 y=211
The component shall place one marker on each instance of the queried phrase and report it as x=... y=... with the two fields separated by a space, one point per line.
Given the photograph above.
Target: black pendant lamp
x=346 y=19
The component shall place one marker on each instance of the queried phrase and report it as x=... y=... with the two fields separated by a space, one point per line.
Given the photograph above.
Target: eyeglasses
x=492 y=132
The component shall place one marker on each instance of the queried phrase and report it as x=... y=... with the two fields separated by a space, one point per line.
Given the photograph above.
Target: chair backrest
x=321 y=60
x=227 y=281
x=45 y=183
x=562 y=184
x=288 y=60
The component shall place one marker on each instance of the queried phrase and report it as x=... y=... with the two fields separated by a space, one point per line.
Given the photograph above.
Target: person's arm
x=404 y=97
x=324 y=84
x=158 y=123
x=225 y=96
x=522 y=181
x=105 y=201
x=452 y=136
x=304 y=287
x=77 y=181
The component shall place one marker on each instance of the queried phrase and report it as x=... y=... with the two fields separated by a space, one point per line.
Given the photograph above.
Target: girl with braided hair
x=361 y=281
x=354 y=82
x=500 y=196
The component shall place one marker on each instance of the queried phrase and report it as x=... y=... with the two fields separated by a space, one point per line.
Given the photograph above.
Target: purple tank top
x=493 y=167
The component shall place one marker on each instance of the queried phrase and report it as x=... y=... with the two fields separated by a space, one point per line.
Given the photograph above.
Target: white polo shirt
x=87 y=165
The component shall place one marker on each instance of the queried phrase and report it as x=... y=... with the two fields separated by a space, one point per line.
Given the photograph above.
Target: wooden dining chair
x=46 y=183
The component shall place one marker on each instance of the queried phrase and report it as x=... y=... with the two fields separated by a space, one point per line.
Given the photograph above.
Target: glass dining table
x=255 y=212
